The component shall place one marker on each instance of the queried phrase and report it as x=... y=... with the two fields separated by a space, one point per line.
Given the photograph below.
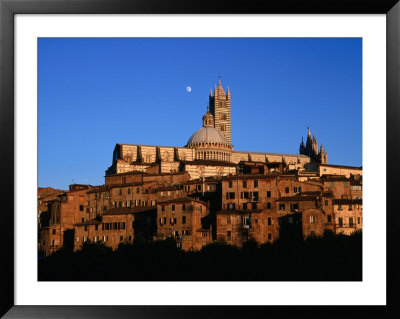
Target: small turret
x=208 y=118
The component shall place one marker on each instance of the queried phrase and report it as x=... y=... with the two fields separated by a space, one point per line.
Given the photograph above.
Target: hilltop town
x=204 y=192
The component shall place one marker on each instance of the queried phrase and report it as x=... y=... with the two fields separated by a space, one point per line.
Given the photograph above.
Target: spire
x=228 y=92
x=211 y=93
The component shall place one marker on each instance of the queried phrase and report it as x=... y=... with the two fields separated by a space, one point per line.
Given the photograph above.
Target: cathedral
x=209 y=151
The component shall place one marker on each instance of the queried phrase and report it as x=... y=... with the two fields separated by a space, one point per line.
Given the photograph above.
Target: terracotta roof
x=97 y=189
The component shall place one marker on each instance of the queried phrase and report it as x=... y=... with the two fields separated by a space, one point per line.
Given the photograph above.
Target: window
x=253 y=205
x=268 y=194
x=120 y=191
x=269 y=236
x=54 y=231
x=254 y=196
x=52 y=243
x=286 y=190
x=312 y=219
x=183 y=207
x=229 y=235
x=269 y=221
x=245 y=206
x=137 y=190
x=351 y=223
x=329 y=219
x=244 y=184
x=350 y=207
x=340 y=219
x=81 y=208
x=268 y=205
x=85 y=227
x=231 y=206
x=84 y=238
x=228 y=220
x=120 y=204
x=105 y=238
x=165 y=220
x=230 y=184
x=246 y=221
x=340 y=207
x=162 y=208
x=296 y=189
x=183 y=219
x=95 y=238
x=326 y=202
x=358 y=220
x=77 y=239
x=96 y=227
x=121 y=238
x=199 y=187
x=161 y=220
x=230 y=195
x=123 y=225
x=173 y=207
x=294 y=206
x=244 y=195
x=256 y=183
x=129 y=190
x=281 y=206
x=175 y=220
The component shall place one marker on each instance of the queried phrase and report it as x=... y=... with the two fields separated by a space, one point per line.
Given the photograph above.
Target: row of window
x=173 y=206
x=172 y=221
x=133 y=203
x=120 y=192
x=247 y=221
x=351 y=222
x=198 y=187
x=244 y=184
x=350 y=207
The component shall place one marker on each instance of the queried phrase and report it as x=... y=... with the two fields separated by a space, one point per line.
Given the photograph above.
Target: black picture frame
x=8 y=8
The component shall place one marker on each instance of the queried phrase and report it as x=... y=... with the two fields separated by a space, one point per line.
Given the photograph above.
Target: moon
x=189 y=89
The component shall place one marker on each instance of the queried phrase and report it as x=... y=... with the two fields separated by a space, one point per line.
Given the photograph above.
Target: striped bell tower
x=220 y=107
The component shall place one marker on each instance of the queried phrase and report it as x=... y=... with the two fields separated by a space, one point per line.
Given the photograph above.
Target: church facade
x=209 y=151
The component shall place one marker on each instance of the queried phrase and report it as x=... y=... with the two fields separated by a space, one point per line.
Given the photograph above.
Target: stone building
x=66 y=210
x=181 y=218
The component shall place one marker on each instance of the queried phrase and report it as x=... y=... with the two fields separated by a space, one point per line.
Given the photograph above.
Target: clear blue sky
x=94 y=93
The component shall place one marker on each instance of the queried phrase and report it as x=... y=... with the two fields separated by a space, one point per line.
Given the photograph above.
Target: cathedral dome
x=207 y=135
